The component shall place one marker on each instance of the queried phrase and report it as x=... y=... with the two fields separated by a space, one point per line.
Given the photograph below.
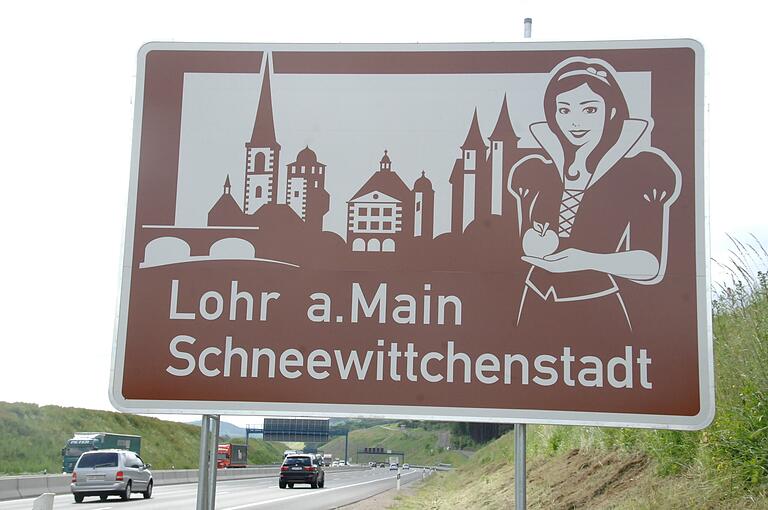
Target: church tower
x=262 y=153
x=503 y=144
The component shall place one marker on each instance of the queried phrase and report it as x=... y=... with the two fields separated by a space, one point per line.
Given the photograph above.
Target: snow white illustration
x=593 y=208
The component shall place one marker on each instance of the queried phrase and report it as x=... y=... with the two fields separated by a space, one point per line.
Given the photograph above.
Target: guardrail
x=18 y=487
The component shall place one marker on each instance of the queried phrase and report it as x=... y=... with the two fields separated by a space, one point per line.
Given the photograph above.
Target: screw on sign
x=536 y=254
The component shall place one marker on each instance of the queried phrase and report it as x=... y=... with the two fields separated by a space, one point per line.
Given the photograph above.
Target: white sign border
x=492 y=415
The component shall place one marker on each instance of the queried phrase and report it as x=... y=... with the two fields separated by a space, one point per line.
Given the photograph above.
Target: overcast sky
x=66 y=116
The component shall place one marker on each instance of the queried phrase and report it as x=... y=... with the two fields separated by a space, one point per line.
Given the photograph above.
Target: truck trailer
x=232 y=456
x=83 y=442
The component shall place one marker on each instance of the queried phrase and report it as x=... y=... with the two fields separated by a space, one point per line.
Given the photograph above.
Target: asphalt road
x=258 y=494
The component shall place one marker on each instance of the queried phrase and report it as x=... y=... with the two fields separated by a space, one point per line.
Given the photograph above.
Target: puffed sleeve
x=529 y=181
x=655 y=186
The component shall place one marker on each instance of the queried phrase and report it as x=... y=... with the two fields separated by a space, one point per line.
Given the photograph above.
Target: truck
x=82 y=442
x=232 y=456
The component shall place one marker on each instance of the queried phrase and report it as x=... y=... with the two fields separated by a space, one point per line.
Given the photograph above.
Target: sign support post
x=346 y=447
x=212 y=452
x=202 y=468
x=520 y=427
x=520 y=466
x=206 y=479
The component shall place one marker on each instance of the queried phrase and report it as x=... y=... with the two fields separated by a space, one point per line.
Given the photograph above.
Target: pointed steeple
x=504 y=130
x=474 y=139
x=227 y=186
x=264 y=125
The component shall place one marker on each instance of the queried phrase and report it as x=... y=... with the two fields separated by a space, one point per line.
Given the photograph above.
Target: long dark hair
x=598 y=76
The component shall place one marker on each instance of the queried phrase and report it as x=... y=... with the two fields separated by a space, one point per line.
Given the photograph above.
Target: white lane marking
x=324 y=491
x=163 y=491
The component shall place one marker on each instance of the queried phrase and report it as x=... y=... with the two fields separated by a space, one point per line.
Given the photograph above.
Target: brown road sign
x=485 y=232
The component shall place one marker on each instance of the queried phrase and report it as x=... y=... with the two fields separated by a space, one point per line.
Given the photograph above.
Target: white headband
x=589 y=71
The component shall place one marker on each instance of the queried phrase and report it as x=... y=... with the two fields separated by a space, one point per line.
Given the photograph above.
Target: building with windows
x=383 y=215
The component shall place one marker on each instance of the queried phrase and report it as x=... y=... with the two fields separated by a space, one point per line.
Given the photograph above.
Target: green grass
x=33 y=436
x=420 y=445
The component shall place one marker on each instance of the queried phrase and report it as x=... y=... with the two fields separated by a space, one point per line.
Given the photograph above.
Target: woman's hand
x=566 y=261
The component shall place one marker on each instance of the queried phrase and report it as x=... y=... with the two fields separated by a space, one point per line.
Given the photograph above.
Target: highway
x=258 y=493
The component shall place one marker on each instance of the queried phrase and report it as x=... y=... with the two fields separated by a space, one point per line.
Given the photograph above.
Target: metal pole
x=213 y=451
x=520 y=496
x=247 y=443
x=346 y=447
x=520 y=466
x=398 y=477
x=202 y=469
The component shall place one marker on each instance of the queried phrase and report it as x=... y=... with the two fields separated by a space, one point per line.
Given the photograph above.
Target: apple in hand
x=540 y=241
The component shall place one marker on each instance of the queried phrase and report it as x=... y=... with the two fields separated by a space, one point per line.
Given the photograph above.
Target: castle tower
x=305 y=189
x=470 y=181
x=262 y=153
x=423 y=208
x=503 y=143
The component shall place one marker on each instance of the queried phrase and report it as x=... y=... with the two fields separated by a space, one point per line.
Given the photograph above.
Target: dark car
x=302 y=469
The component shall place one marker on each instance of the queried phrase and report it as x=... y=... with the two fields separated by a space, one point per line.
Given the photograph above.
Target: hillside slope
x=420 y=446
x=33 y=436
x=573 y=478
